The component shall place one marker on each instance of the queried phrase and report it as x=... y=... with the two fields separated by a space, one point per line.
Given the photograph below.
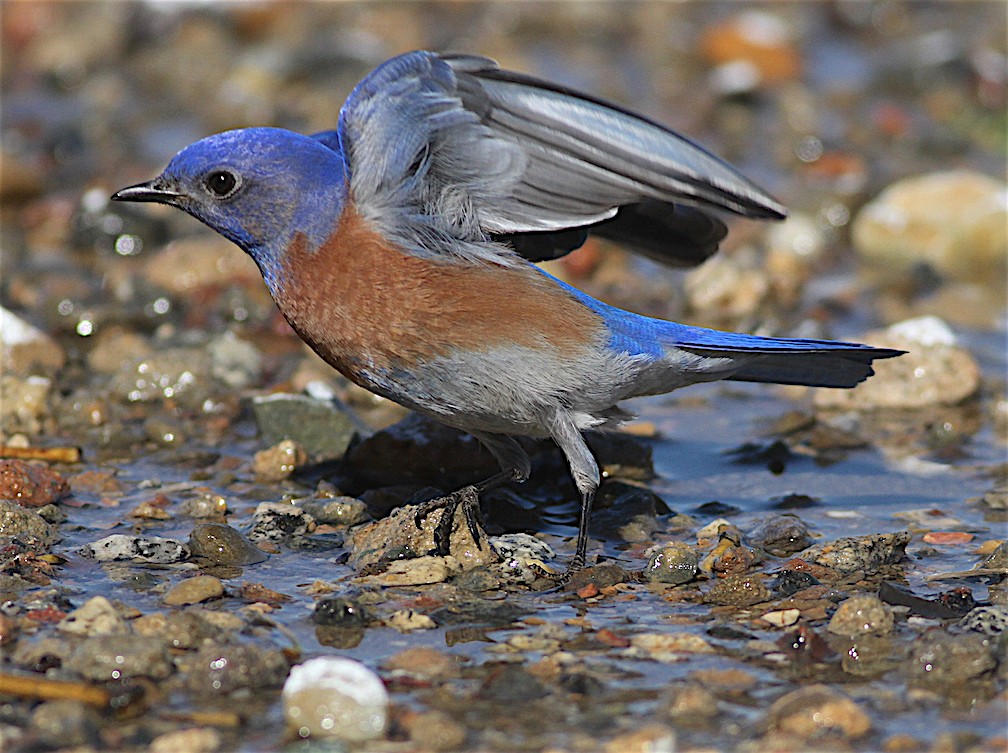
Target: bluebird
x=401 y=248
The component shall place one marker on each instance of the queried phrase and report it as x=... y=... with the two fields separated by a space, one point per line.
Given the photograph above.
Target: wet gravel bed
x=209 y=540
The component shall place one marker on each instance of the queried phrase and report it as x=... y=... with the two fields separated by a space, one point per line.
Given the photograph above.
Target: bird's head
x=255 y=186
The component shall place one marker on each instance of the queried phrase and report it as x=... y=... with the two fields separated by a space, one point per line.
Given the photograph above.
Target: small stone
x=674 y=563
x=30 y=485
x=223 y=668
x=120 y=547
x=115 y=657
x=16 y=521
x=177 y=629
x=867 y=553
x=670 y=647
x=861 y=614
x=343 y=512
x=692 y=705
x=317 y=426
x=816 y=710
x=781 y=535
x=648 y=738
x=408 y=620
x=96 y=616
x=434 y=731
x=112 y=346
x=782 y=617
x=178 y=374
x=279 y=461
x=418 y=571
x=223 y=545
x=194 y=590
x=953 y=221
x=738 y=591
x=235 y=362
x=338 y=611
x=24 y=403
x=990 y=620
x=947 y=538
x=25 y=349
x=335 y=697
x=65 y=723
x=279 y=521
x=423 y=662
x=934 y=371
x=938 y=659
x=193 y=740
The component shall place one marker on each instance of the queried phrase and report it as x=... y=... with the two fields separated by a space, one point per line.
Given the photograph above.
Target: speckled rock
x=331 y=696
x=223 y=545
x=25 y=524
x=867 y=553
x=123 y=547
x=860 y=614
x=780 y=535
x=194 y=590
x=277 y=521
x=337 y=511
x=30 y=485
x=114 y=657
x=990 y=620
x=96 y=616
x=954 y=221
x=738 y=591
x=674 y=563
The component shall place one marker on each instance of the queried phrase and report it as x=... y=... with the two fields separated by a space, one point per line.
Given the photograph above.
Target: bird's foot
x=559 y=580
x=468 y=497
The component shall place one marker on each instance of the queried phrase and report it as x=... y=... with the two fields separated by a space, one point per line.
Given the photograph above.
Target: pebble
x=691 y=705
x=674 y=563
x=96 y=616
x=814 y=711
x=24 y=404
x=280 y=521
x=940 y=659
x=235 y=362
x=339 y=612
x=223 y=545
x=990 y=620
x=186 y=265
x=670 y=647
x=121 y=546
x=953 y=221
x=408 y=620
x=782 y=617
x=25 y=349
x=194 y=590
x=780 y=535
x=418 y=571
x=433 y=730
x=522 y=557
x=192 y=740
x=648 y=738
x=738 y=591
x=178 y=629
x=178 y=374
x=18 y=522
x=867 y=553
x=423 y=663
x=935 y=370
x=340 y=511
x=279 y=461
x=65 y=723
x=115 y=657
x=331 y=696
x=861 y=614
x=223 y=668
x=318 y=426
x=112 y=346
x=30 y=485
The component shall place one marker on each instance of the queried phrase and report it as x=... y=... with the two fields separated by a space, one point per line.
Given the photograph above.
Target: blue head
x=257 y=187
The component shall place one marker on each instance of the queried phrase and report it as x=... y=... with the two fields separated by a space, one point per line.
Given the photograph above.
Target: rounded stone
x=674 y=563
x=738 y=591
x=223 y=545
x=816 y=710
x=194 y=591
x=115 y=657
x=861 y=614
x=332 y=696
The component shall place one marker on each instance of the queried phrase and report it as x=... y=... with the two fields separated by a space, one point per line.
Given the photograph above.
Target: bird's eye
x=222 y=183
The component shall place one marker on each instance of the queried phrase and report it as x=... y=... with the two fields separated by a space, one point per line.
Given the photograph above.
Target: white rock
x=335 y=697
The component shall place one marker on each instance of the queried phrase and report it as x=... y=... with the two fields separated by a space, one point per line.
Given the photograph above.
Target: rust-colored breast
x=360 y=303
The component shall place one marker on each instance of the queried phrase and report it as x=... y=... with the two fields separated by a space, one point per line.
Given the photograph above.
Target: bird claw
x=468 y=497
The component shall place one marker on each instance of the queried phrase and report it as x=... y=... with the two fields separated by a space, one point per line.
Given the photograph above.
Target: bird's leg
x=515 y=466
x=586 y=475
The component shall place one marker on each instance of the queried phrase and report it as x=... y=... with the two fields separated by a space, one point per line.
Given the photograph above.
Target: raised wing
x=447 y=152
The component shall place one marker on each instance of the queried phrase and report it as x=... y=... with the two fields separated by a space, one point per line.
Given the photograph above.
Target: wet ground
x=771 y=568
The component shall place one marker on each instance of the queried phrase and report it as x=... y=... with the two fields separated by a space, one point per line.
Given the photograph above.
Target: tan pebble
x=194 y=590
x=782 y=617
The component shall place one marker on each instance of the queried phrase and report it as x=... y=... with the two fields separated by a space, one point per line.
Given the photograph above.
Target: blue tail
x=740 y=357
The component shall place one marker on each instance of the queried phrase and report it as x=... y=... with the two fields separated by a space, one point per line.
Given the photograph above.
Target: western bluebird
x=400 y=247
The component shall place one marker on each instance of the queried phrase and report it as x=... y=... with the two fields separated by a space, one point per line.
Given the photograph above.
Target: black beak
x=152 y=190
